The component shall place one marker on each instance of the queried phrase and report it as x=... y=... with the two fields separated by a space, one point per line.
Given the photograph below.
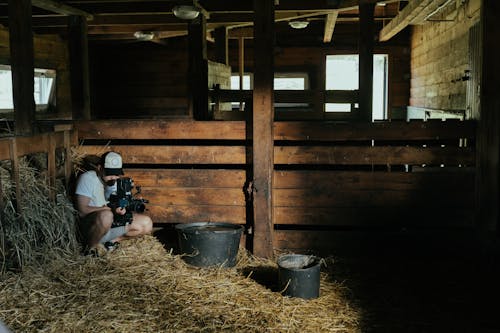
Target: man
x=96 y=218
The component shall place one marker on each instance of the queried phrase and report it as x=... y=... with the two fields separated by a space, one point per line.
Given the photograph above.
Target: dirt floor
x=410 y=286
x=424 y=292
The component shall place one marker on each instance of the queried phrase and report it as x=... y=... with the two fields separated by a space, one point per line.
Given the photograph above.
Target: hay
x=43 y=224
x=140 y=287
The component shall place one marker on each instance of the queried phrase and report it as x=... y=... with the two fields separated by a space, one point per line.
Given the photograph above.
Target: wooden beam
x=198 y=69
x=488 y=134
x=22 y=65
x=366 y=45
x=60 y=8
x=221 y=49
x=262 y=125
x=413 y=11
x=79 y=67
x=331 y=19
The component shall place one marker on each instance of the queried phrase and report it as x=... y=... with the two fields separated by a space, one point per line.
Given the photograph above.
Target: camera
x=124 y=198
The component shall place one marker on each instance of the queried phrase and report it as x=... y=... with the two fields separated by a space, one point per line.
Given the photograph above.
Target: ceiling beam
x=60 y=8
x=331 y=19
x=415 y=12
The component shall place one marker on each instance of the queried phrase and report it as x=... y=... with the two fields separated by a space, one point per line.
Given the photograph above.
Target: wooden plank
x=287 y=155
x=262 y=125
x=187 y=177
x=348 y=243
x=33 y=144
x=324 y=197
x=161 y=129
x=374 y=217
x=173 y=154
x=185 y=214
x=283 y=130
x=450 y=156
x=194 y=196
x=22 y=65
x=351 y=180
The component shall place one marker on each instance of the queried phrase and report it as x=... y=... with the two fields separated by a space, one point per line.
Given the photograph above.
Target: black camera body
x=124 y=198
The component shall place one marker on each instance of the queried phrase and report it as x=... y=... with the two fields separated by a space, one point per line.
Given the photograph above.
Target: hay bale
x=40 y=224
x=141 y=287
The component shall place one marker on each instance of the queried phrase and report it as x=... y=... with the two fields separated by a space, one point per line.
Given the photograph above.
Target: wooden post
x=51 y=167
x=79 y=67
x=366 y=43
x=263 y=116
x=221 y=45
x=15 y=173
x=241 y=64
x=198 y=69
x=488 y=134
x=22 y=65
x=67 y=160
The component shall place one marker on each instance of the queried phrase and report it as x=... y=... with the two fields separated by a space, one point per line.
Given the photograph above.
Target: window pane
x=338 y=107
x=43 y=85
x=235 y=82
x=5 y=89
x=342 y=73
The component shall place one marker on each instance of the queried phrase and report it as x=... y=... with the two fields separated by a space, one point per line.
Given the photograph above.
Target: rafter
x=331 y=19
x=60 y=8
x=415 y=12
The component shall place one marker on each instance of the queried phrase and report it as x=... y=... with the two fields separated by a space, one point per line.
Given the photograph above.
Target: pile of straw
x=40 y=223
x=141 y=287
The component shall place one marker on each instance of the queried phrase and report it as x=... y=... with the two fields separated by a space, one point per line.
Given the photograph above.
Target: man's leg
x=141 y=225
x=98 y=227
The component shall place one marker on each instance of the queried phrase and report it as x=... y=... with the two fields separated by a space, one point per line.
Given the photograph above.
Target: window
x=282 y=81
x=44 y=88
x=342 y=73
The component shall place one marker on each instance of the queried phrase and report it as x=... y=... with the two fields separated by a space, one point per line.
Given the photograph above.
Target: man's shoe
x=111 y=246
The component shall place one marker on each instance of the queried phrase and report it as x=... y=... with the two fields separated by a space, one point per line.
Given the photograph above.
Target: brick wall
x=440 y=57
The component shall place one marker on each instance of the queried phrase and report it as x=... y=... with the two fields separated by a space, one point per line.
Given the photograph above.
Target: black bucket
x=299 y=275
x=208 y=244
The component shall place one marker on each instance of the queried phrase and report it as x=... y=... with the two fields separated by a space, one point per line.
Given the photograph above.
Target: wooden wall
x=144 y=79
x=139 y=80
x=50 y=52
x=335 y=184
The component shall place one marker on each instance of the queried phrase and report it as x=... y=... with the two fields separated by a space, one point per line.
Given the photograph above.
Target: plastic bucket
x=208 y=244
x=299 y=275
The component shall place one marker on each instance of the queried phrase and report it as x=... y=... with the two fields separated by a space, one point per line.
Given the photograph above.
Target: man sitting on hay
x=102 y=221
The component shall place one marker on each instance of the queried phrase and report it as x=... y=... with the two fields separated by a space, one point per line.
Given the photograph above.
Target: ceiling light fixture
x=298 y=24
x=186 y=12
x=142 y=35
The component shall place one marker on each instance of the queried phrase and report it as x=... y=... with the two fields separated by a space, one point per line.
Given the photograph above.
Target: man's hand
x=120 y=210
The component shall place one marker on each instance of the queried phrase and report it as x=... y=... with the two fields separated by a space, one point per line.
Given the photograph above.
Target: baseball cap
x=112 y=163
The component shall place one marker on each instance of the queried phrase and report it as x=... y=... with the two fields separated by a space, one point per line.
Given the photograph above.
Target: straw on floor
x=141 y=287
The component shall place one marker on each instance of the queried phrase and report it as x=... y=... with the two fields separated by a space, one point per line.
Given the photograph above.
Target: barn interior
x=360 y=130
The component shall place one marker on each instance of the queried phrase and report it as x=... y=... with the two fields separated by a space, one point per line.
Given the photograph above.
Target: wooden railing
x=55 y=145
x=329 y=179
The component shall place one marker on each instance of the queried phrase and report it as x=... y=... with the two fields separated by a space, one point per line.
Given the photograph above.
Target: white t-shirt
x=90 y=186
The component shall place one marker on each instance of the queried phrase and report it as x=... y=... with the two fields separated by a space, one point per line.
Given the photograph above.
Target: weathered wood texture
x=13 y=148
x=22 y=65
x=50 y=52
x=327 y=176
